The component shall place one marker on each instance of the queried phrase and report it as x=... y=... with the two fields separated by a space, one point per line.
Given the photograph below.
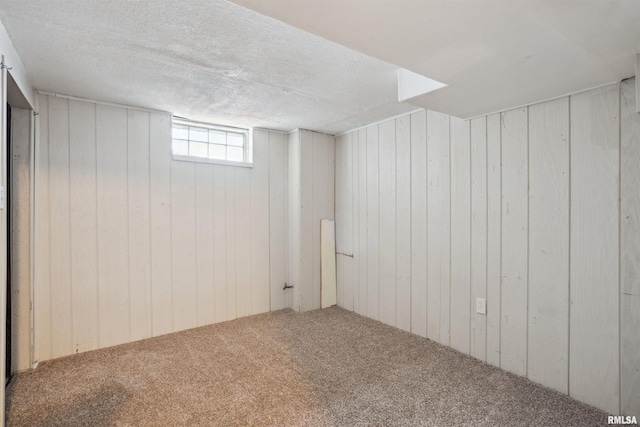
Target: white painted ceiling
x=206 y=60
x=492 y=54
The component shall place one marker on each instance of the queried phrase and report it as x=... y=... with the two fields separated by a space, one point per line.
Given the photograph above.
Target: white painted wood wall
x=521 y=208
x=311 y=199
x=131 y=244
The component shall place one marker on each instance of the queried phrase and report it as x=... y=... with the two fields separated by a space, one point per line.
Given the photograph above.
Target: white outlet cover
x=481 y=306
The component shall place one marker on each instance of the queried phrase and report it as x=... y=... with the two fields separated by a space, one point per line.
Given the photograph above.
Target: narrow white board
x=278 y=211
x=42 y=249
x=183 y=240
x=160 y=206
x=513 y=344
x=403 y=223
x=460 y=235
x=220 y=251
x=348 y=223
x=373 y=236
x=630 y=252
x=438 y=226
x=387 y=210
x=84 y=242
x=339 y=218
x=243 y=244
x=478 y=234
x=328 y=263
x=594 y=271
x=205 y=245
x=494 y=232
x=113 y=224
x=61 y=286
x=362 y=212
x=548 y=357
x=260 y=283
x=139 y=219
x=419 y=223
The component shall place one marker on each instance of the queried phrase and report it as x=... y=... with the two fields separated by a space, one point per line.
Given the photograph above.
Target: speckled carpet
x=321 y=368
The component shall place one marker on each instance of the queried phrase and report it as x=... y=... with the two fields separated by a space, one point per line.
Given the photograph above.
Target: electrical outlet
x=481 y=306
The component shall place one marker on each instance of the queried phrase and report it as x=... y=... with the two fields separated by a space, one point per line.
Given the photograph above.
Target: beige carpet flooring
x=321 y=368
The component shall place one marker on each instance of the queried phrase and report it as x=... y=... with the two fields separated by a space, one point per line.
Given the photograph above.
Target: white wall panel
x=460 y=235
x=438 y=227
x=387 y=210
x=403 y=223
x=494 y=238
x=160 y=205
x=630 y=252
x=139 y=219
x=513 y=343
x=478 y=235
x=60 y=212
x=419 y=195
x=84 y=242
x=183 y=238
x=594 y=267
x=131 y=244
x=205 y=245
x=278 y=214
x=548 y=336
x=520 y=208
x=113 y=227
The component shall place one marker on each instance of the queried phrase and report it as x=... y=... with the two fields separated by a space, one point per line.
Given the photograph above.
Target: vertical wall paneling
x=243 y=246
x=373 y=230
x=294 y=212
x=594 y=270
x=145 y=245
x=113 y=225
x=220 y=251
x=340 y=214
x=514 y=241
x=84 y=227
x=183 y=238
x=355 y=224
x=259 y=237
x=460 y=235
x=403 y=222
x=549 y=244
x=20 y=185
x=438 y=226
x=419 y=260
x=61 y=287
x=387 y=203
x=139 y=231
x=328 y=288
x=160 y=217
x=362 y=224
x=42 y=257
x=306 y=283
x=478 y=235
x=494 y=239
x=277 y=218
x=230 y=242
x=323 y=172
x=205 y=244
x=347 y=219
x=630 y=252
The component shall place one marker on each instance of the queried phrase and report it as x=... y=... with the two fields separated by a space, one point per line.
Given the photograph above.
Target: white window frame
x=248 y=144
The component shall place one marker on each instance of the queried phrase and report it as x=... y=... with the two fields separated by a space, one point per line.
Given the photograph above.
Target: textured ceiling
x=492 y=54
x=205 y=60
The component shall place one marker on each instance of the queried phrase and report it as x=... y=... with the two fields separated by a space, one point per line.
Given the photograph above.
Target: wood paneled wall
x=311 y=198
x=535 y=209
x=131 y=244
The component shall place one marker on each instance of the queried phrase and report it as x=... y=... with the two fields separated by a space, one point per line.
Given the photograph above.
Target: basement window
x=208 y=143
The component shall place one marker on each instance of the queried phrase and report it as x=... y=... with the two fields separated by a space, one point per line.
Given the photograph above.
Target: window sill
x=195 y=159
